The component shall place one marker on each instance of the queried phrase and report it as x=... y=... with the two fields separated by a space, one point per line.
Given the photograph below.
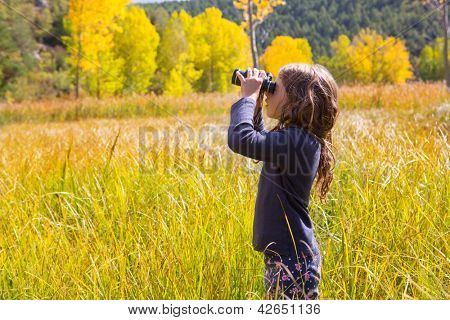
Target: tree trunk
x=445 y=23
x=99 y=72
x=252 y=35
x=77 y=74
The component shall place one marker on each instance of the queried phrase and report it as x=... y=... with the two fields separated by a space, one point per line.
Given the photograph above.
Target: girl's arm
x=245 y=139
x=259 y=120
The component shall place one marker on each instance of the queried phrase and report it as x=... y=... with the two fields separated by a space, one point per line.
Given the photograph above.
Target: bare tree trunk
x=77 y=74
x=211 y=78
x=79 y=56
x=445 y=22
x=99 y=72
x=252 y=35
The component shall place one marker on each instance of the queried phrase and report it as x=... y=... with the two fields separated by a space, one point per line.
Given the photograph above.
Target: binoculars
x=267 y=85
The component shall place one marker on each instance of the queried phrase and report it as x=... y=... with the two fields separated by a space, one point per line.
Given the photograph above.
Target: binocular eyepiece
x=267 y=85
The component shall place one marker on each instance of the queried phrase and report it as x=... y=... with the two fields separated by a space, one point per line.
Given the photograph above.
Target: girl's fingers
x=240 y=76
x=255 y=72
x=249 y=73
x=262 y=74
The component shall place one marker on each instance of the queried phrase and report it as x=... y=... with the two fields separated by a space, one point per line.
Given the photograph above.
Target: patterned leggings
x=290 y=277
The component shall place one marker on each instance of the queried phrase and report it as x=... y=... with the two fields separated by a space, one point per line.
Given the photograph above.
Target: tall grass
x=82 y=218
x=407 y=96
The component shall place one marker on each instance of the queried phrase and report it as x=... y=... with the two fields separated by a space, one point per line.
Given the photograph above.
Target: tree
x=11 y=62
x=58 y=9
x=92 y=25
x=284 y=50
x=159 y=18
x=369 y=58
x=17 y=47
x=216 y=46
x=427 y=64
x=181 y=77
x=307 y=19
x=431 y=63
x=74 y=23
x=338 y=64
x=136 y=44
x=442 y=5
x=253 y=19
x=176 y=69
x=380 y=60
x=199 y=53
x=173 y=41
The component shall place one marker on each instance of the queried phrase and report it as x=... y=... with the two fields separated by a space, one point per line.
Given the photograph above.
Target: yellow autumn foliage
x=378 y=59
x=369 y=58
x=205 y=53
x=136 y=44
x=174 y=59
x=262 y=8
x=284 y=50
x=91 y=45
x=217 y=46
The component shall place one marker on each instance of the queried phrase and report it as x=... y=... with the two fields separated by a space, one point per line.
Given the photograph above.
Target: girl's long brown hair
x=312 y=103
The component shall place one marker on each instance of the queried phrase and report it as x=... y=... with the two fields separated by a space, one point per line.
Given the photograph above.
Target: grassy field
x=92 y=208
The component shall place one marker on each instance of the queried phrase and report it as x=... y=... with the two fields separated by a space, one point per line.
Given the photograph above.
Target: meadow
x=92 y=208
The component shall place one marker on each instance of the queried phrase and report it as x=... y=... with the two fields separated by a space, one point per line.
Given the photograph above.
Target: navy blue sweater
x=290 y=156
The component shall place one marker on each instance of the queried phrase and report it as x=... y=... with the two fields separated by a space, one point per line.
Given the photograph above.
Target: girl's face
x=275 y=100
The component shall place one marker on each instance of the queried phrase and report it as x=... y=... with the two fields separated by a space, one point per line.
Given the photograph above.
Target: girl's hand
x=251 y=85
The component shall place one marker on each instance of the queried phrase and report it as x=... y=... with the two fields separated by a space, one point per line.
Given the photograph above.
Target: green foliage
x=322 y=21
x=173 y=43
x=431 y=61
x=16 y=46
x=159 y=18
x=338 y=64
x=46 y=81
x=31 y=60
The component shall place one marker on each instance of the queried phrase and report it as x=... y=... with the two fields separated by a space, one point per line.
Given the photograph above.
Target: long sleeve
x=243 y=137
x=259 y=122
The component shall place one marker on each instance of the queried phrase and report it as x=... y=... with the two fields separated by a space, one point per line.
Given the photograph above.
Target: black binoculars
x=267 y=85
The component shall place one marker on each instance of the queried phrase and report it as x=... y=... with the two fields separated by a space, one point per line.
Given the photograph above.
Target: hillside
x=321 y=21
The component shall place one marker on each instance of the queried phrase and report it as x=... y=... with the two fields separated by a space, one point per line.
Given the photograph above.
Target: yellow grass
x=83 y=215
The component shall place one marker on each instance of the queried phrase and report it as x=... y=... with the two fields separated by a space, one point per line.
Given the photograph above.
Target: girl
x=293 y=153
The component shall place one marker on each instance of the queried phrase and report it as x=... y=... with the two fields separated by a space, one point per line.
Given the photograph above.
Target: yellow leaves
x=377 y=59
x=173 y=41
x=436 y=2
x=176 y=67
x=206 y=49
x=114 y=47
x=370 y=58
x=262 y=8
x=217 y=47
x=100 y=21
x=240 y=4
x=181 y=77
x=136 y=44
x=284 y=50
x=265 y=7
